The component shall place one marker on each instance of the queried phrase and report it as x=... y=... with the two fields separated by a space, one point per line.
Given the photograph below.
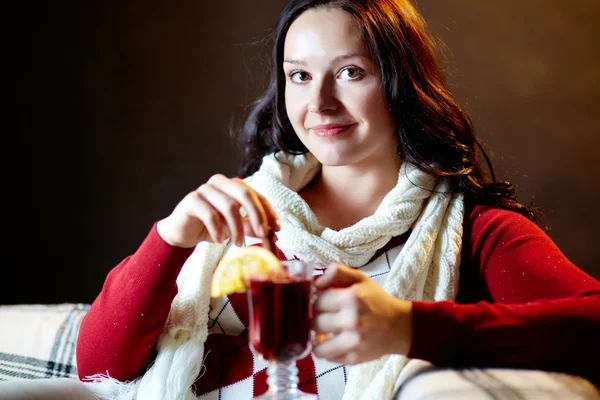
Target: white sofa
x=38 y=342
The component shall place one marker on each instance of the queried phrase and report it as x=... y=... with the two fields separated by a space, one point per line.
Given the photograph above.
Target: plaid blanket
x=38 y=341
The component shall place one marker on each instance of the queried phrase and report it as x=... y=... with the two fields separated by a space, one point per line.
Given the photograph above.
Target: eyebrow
x=334 y=61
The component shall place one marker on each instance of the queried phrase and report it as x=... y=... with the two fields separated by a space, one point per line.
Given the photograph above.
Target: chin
x=332 y=158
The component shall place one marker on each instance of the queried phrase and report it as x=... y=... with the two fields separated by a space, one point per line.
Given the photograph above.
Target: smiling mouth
x=330 y=130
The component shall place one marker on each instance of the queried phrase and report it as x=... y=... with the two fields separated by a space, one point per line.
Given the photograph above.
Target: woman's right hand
x=212 y=212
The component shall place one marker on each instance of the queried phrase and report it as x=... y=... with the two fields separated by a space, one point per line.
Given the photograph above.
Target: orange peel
x=234 y=271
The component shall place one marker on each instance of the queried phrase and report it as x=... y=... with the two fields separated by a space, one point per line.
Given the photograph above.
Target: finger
x=245 y=196
x=228 y=208
x=212 y=220
x=271 y=214
x=338 y=346
x=262 y=210
x=333 y=300
x=335 y=322
x=248 y=228
x=339 y=275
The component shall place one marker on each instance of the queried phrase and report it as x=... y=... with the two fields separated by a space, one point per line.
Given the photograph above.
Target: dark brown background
x=123 y=107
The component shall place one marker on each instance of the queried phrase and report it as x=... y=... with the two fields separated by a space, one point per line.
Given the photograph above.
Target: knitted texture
x=425 y=269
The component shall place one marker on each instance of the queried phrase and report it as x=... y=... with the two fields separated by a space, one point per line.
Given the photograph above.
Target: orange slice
x=235 y=270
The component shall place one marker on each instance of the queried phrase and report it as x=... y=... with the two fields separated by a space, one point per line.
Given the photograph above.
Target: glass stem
x=282 y=376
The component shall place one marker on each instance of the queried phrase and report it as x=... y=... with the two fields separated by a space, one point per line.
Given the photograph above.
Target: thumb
x=339 y=276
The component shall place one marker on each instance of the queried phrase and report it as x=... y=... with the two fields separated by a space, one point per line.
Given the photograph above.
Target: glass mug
x=280 y=327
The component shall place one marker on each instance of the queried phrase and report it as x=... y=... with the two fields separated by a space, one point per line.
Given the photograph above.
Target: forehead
x=323 y=32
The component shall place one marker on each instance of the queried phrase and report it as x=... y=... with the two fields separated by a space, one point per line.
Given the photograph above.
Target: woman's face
x=333 y=93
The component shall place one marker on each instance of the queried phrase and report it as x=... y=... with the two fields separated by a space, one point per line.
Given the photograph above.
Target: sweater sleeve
x=118 y=334
x=540 y=310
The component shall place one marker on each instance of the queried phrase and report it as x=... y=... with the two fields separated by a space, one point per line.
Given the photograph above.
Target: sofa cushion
x=38 y=341
x=495 y=383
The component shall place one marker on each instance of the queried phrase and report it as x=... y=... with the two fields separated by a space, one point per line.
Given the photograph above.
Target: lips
x=329 y=130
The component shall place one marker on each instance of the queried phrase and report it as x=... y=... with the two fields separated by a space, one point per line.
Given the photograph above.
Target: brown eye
x=299 y=76
x=351 y=73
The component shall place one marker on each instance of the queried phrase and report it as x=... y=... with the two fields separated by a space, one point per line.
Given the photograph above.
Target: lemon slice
x=235 y=270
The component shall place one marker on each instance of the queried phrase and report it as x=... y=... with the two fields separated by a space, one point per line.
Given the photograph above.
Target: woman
x=361 y=160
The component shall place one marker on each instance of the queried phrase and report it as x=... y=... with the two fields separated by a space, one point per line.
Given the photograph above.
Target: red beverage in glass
x=280 y=313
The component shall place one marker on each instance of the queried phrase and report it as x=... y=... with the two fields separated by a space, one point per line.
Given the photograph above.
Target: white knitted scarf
x=425 y=269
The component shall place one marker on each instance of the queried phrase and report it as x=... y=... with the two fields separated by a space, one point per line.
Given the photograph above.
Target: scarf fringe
x=105 y=387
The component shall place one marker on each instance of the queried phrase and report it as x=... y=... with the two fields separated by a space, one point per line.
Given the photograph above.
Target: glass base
x=283 y=383
x=291 y=395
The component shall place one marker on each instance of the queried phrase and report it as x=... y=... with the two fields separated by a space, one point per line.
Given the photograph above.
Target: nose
x=322 y=97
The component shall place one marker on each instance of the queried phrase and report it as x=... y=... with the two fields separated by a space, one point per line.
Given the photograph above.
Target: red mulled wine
x=280 y=318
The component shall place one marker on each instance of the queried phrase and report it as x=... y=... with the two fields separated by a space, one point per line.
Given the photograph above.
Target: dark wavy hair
x=433 y=132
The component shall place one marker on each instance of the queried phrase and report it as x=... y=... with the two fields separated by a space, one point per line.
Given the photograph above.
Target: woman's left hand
x=364 y=322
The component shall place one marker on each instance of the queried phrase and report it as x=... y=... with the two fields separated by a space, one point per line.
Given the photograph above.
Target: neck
x=342 y=195
x=368 y=184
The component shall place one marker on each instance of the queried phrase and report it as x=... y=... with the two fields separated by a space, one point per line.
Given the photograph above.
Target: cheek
x=293 y=105
x=374 y=108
